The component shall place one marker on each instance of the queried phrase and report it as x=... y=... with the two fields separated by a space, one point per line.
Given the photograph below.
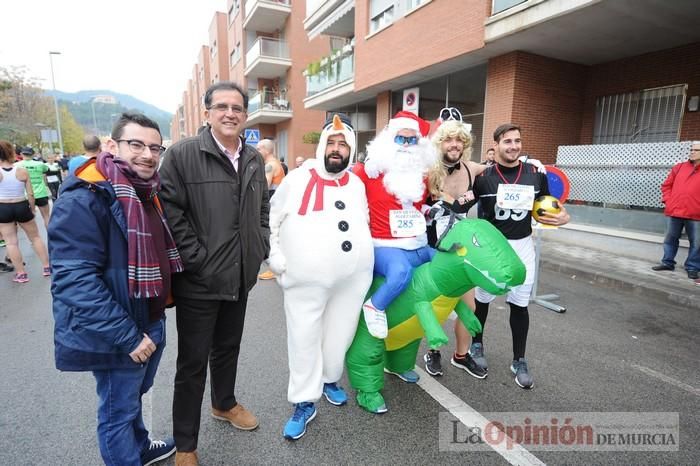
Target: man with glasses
x=394 y=174
x=215 y=195
x=112 y=256
x=680 y=193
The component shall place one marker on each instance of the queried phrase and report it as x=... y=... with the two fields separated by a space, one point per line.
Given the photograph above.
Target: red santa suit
x=321 y=249
x=381 y=204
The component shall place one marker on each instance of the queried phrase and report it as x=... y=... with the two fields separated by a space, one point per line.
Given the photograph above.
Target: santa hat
x=409 y=120
x=338 y=124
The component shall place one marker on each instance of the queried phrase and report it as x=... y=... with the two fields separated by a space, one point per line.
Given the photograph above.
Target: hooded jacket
x=218 y=216
x=97 y=323
x=680 y=192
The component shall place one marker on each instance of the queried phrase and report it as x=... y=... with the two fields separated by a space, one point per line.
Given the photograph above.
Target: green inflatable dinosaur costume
x=473 y=253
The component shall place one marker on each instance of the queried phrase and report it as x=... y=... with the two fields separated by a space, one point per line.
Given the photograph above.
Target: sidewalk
x=618 y=259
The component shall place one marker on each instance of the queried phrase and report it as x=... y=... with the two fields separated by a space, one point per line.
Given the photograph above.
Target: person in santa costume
x=395 y=180
x=321 y=250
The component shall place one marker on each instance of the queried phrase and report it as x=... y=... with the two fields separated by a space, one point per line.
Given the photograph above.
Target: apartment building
x=568 y=71
x=263 y=46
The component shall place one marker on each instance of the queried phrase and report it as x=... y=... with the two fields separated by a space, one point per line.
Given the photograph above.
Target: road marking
x=516 y=455
x=667 y=379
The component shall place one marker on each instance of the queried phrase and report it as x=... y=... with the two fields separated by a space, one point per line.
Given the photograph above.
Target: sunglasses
x=450 y=113
x=410 y=140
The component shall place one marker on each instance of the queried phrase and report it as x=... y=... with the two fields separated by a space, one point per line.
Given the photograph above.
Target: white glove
x=371 y=169
x=536 y=163
x=277 y=263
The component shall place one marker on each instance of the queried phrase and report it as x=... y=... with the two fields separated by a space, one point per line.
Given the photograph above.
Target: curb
x=681 y=297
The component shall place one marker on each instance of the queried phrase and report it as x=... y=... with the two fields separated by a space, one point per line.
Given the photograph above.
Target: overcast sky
x=144 y=48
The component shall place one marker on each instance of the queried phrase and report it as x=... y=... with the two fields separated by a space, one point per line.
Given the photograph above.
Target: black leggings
x=519 y=325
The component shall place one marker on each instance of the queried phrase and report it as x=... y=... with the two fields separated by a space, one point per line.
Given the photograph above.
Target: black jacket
x=219 y=217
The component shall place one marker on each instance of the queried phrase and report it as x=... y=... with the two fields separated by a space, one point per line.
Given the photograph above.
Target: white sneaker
x=375 y=319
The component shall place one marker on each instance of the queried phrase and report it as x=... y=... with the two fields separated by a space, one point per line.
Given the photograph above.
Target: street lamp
x=55 y=102
x=111 y=120
x=94 y=119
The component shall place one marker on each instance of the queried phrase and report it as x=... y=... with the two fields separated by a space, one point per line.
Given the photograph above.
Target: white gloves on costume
x=372 y=168
x=277 y=263
x=540 y=167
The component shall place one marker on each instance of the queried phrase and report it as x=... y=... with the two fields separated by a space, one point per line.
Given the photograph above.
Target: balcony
x=268 y=108
x=589 y=32
x=267 y=58
x=266 y=15
x=330 y=17
x=331 y=81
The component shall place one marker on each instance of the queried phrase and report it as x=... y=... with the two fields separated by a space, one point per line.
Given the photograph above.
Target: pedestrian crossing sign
x=252 y=136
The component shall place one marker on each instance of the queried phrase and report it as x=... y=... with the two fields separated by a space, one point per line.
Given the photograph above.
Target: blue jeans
x=121 y=432
x=674 y=227
x=396 y=265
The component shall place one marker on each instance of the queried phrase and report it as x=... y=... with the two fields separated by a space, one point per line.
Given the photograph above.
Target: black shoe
x=660 y=267
x=693 y=274
x=6 y=267
x=468 y=364
x=433 y=362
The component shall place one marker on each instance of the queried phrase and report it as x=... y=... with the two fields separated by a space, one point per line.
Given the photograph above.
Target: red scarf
x=319 y=183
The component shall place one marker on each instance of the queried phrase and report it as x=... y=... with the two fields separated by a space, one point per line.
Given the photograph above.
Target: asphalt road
x=611 y=352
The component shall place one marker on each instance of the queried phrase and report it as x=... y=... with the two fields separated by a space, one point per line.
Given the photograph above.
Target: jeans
x=396 y=265
x=121 y=433
x=674 y=227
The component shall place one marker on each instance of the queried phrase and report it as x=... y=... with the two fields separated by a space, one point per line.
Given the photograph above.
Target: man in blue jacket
x=112 y=256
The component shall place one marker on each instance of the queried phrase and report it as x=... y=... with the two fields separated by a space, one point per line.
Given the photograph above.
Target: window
x=235 y=54
x=233 y=11
x=502 y=5
x=282 y=145
x=381 y=14
x=212 y=49
x=411 y=4
x=650 y=115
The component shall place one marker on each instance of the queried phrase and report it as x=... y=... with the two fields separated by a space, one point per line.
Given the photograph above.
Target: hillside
x=81 y=105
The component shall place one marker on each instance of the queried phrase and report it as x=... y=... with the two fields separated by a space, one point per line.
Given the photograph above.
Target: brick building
x=568 y=71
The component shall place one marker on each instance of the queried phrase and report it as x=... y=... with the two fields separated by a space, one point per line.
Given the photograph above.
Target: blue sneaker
x=476 y=351
x=408 y=376
x=296 y=426
x=158 y=450
x=335 y=394
x=522 y=374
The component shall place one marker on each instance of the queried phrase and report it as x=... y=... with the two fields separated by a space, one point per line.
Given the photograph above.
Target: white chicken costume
x=321 y=249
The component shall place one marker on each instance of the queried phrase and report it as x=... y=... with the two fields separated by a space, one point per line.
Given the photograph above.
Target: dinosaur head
x=476 y=253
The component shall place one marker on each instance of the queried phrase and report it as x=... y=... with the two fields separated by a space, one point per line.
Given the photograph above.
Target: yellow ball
x=544 y=204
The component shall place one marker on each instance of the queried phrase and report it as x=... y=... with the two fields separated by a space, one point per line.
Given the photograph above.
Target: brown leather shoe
x=238 y=416
x=186 y=458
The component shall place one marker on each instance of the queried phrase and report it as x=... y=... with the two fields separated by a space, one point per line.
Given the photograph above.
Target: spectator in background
x=489 y=157
x=63 y=163
x=37 y=175
x=298 y=161
x=53 y=176
x=92 y=146
x=274 y=173
x=680 y=193
x=17 y=207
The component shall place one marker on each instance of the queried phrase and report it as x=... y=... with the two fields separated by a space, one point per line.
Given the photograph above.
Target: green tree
x=71 y=131
x=24 y=109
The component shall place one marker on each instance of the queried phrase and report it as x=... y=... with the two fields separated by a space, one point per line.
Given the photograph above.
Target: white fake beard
x=404 y=168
